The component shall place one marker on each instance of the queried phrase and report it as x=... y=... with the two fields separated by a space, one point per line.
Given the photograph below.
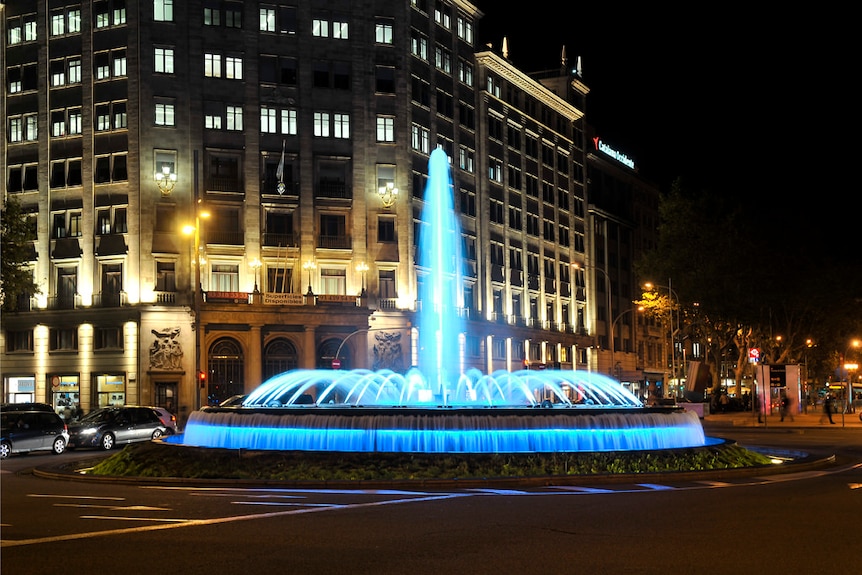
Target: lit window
x=233 y=68
x=267 y=20
x=288 y=122
x=212 y=65
x=268 y=120
x=165 y=115
x=163 y=10
x=383 y=32
x=164 y=60
x=234 y=118
x=385 y=129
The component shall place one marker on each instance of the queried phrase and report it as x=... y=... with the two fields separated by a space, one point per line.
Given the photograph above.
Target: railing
x=334 y=242
x=224 y=184
x=64 y=302
x=166 y=297
x=387 y=304
x=223 y=237
x=109 y=299
x=333 y=189
x=280 y=240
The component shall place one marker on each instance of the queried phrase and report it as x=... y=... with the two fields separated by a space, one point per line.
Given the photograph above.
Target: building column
x=309 y=349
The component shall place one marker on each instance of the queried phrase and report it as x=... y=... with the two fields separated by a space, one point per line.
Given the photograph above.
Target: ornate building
x=223 y=191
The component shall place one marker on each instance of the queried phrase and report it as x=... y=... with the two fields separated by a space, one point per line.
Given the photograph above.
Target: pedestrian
x=786 y=408
x=724 y=400
x=827 y=409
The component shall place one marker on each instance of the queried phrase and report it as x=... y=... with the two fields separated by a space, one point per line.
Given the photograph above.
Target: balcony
x=64 y=302
x=166 y=297
x=272 y=239
x=498 y=274
x=342 y=242
x=516 y=277
x=337 y=189
x=110 y=299
x=225 y=238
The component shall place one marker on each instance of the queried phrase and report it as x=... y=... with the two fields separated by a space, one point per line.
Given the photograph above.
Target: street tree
x=16 y=249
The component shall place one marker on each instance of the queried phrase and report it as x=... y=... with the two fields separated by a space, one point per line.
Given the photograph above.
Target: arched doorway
x=326 y=353
x=279 y=356
x=225 y=370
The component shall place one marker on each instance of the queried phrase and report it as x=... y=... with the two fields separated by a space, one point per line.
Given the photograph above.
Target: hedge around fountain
x=158 y=459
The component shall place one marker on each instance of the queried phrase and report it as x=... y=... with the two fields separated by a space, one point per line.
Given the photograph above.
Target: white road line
x=217 y=520
x=49 y=496
x=113 y=507
x=116 y=518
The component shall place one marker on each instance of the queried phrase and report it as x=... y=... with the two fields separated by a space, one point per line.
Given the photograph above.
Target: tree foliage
x=16 y=251
x=749 y=275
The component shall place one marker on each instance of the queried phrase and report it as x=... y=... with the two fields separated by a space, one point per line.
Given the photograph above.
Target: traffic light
x=202 y=378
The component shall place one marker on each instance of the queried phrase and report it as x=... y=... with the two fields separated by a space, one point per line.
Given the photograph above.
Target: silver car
x=109 y=426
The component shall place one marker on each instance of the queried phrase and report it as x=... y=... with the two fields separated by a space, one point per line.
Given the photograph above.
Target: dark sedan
x=109 y=426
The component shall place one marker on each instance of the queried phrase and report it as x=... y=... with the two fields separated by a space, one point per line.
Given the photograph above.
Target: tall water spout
x=440 y=292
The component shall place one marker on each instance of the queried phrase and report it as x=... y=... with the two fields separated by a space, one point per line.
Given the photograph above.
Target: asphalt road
x=803 y=522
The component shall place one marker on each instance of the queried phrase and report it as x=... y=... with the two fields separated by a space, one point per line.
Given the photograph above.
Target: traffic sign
x=336 y=363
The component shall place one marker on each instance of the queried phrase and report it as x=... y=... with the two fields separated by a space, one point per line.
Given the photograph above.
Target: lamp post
x=308 y=266
x=362 y=267
x=197 y=294
x=848 y=367
x=255 y=266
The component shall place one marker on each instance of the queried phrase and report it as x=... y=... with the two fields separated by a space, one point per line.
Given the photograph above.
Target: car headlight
x=88 y=431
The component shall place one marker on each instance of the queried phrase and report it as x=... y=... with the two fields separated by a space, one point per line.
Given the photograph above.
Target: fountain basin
x=444 y=430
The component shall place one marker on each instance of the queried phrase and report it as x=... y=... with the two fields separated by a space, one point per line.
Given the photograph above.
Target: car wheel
x=107 y=441
x=59 y=445
x=157 y=433
x=5 y=450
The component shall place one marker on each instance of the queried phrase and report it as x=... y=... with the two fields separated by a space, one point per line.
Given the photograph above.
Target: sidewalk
x=814 y=418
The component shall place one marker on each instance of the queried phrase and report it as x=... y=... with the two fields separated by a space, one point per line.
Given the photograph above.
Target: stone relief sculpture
x=166 y=351
x=387 y=351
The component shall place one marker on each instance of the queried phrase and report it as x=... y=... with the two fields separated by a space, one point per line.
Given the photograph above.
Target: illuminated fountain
x=437 y=408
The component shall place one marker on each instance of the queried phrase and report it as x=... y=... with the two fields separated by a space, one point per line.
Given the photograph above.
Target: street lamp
x=197 y=294
x=166 y=180
x=848 y=366
x=362 y=267
x=388 y=194
x=256 y=265
x=309 y=266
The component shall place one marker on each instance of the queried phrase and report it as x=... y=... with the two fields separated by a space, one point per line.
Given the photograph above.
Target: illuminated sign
x=618 y=156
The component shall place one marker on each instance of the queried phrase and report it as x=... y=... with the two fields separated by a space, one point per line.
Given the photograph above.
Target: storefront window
x=20 y=389
x=111 y=389
x=66 y=395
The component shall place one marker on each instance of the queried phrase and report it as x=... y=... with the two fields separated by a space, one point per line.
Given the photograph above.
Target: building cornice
x=504 y=69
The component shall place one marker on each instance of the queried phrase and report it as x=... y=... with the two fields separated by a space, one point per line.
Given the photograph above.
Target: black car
x=29 y=406
x=109 y=426
x=25 y=431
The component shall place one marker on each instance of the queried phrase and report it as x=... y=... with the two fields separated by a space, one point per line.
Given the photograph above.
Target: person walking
x=786 y=408
x=827 y=409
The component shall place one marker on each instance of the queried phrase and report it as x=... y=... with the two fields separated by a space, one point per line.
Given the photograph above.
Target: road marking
x=76 y=497
x=656 y=486
x=116 y=518
x=216 y=521
x=113 y=507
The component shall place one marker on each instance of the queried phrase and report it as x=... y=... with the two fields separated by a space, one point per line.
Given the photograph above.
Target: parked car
x=169 y=420
x=25 y=431
x=29 y=406
x=109 y=426
x=233 y=401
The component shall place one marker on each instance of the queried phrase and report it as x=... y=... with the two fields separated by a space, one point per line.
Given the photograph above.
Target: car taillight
x=174 y=418
x=65 y=428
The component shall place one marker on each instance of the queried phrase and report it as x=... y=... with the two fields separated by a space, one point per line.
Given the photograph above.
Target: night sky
x=751 y=103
